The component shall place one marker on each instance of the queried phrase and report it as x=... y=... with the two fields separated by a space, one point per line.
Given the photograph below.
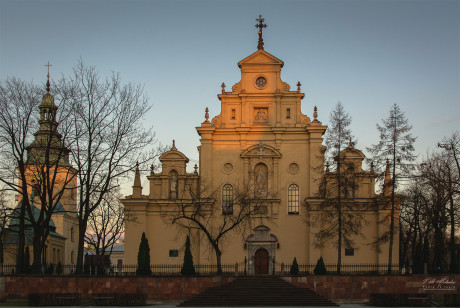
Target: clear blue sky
x=366 y=54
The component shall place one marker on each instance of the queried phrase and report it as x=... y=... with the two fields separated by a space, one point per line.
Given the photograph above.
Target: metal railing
x=345 y=269
x=236 y=269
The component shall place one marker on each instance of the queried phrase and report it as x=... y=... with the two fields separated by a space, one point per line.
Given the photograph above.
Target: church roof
x=14 y=222
x=352 y=153
x=173 y=154
x=261 y=57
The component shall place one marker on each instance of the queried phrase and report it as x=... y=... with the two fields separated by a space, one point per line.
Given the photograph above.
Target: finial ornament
x=298 y=86
x=174 y=146
x=206 y=115
x=196 y=169
x=151 y=170
x=223 y=88
x=315 y=113
x=260 y=26
x=48 y=75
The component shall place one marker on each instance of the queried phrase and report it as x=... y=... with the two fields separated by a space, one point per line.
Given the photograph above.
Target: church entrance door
x=261 y=262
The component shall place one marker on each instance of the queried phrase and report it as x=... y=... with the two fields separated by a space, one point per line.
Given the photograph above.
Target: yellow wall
x=256 y=125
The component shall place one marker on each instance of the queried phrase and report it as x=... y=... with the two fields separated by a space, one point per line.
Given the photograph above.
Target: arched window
x=293 y=199
x=227 y=199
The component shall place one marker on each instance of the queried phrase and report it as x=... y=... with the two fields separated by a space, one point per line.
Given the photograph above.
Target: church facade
x=260 y=144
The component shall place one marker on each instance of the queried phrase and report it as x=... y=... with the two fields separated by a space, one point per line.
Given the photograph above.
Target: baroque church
x=62 y=242
x=261 y=143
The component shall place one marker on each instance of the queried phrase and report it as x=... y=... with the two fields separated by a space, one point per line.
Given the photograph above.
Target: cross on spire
x=48 y=82
x=260 y=26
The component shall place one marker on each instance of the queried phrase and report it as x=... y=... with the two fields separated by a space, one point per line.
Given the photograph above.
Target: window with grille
x=349 y=251
x=227 y=199
x=293 y=199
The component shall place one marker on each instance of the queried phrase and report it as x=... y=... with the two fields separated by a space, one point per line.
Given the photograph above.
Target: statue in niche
x=260 y=181
x=173 y=186
x=261 y=116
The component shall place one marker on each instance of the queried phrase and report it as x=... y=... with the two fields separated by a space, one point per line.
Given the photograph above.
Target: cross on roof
x=48 y=82
x=260 y=26
x=48 y=68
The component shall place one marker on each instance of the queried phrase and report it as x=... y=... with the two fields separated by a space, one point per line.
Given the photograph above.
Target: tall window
x=227 y=199
x=293 y=199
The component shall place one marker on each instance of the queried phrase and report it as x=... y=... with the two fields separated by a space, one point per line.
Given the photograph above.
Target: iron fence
x=236 y=269
x=345 y=269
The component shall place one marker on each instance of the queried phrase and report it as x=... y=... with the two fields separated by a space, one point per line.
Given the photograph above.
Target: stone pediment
x=261 y=234
x=351 y=153
x=261 y=57
x=261 y=150
x=173 y=155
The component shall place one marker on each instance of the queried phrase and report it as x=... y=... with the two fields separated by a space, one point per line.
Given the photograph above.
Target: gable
x=260 y=57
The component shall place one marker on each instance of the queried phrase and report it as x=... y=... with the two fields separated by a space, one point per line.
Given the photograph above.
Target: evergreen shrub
x=320 y=268
x=187 y=268
x=143 y=257
x=294 y=268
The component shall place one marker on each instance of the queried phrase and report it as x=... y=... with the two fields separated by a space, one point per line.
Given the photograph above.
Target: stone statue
x=261 y=116
x=173 y=181
x=260 y=180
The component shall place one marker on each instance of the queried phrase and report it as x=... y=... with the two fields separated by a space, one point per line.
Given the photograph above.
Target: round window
x=261 y=82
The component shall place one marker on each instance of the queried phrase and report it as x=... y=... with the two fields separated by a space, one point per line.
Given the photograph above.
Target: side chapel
x=262 y=139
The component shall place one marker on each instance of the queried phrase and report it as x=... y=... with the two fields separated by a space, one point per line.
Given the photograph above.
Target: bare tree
x=442 y=208
x=18 y=101
x=452 y=181
x=396 y=145
x=6 y=211
x=108 y=136
x=34 y=158
x=106 y=224
x=214 y=217
x=414 y=224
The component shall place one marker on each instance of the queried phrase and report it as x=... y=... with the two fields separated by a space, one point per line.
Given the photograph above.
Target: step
x=258 y=291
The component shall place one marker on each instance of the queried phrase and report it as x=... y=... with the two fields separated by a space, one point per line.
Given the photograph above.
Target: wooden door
x=261 y=262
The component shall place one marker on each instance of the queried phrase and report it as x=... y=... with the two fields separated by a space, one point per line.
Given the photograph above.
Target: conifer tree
x=187 y=268
x=320 y=268
x=396 y=148
x=339 y=220
x=294 y=268
x=143 y=257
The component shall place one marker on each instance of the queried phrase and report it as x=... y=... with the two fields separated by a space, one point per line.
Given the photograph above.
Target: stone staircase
x=257 y=291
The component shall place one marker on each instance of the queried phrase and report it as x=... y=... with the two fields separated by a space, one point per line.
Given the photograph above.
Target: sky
x=367 y=54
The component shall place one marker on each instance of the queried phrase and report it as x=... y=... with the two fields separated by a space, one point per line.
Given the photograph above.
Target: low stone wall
x=179 y=288
x=360 y=287
x=167 y=288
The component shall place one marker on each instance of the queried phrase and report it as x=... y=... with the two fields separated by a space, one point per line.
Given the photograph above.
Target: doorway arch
x=261 y=262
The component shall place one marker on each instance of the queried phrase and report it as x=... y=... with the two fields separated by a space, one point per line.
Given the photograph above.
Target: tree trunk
x=218 y=260
x=82 y=224
x=21 y=241
x=37 y=244
x=392 y=217
x=339 y=212
x=453 y=260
